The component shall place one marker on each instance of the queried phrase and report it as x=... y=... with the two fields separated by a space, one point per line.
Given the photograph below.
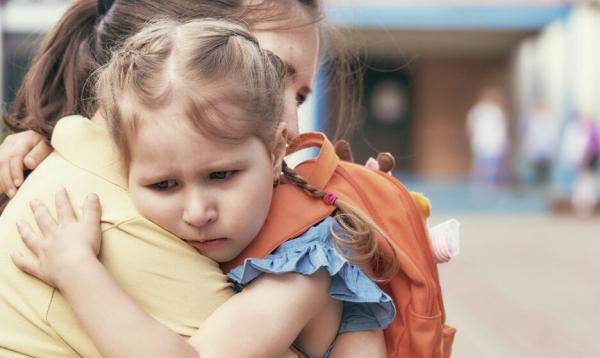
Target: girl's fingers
x=28 y=266
x=40 y=151
x=43 y=218
x=64 y=209
x=92 y=211
x=16 y=171
x=30 y=239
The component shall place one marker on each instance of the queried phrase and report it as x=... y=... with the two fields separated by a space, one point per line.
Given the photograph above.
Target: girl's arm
x=66 y=258
x=262 y=321
x=360 y=344
x=265 y=318
x=117 y=325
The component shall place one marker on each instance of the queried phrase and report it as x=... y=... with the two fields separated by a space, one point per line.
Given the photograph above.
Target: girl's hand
x=63 y=245
x=18 y=151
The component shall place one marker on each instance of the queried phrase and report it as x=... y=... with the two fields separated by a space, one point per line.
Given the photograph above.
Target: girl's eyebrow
x=219 y=165
x=204 y=169
x=154 y=177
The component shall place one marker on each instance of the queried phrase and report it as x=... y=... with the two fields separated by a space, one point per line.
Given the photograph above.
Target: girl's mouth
x=207 y=244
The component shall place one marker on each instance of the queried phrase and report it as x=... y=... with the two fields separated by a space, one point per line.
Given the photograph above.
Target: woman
x=167 y=278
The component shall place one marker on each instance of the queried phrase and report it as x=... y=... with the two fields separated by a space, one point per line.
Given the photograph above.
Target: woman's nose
x=290 y=113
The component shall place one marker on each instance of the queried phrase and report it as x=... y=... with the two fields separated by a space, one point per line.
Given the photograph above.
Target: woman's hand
x=63 y=245
x=18 y=151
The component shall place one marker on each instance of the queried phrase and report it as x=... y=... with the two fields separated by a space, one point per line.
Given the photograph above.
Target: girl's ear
x=279 y=149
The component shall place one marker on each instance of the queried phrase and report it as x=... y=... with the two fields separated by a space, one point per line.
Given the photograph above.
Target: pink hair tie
x=329 y=198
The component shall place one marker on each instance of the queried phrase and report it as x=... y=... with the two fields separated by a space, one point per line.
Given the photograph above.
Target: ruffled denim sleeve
x=365 y=305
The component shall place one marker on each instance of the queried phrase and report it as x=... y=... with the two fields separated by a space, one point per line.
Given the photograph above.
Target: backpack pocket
x=425 y=335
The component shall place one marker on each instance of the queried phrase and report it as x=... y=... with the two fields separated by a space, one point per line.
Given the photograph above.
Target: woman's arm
x=261 y=321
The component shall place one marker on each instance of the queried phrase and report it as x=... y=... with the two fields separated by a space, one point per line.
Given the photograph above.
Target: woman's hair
x=58 y=82
x=211 y=71
x=357 y=240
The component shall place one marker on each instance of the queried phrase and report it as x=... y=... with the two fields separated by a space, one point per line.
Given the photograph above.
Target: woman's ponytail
x=55 y=84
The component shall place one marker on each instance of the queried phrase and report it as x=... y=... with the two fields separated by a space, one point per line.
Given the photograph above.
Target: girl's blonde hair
x=201 y=67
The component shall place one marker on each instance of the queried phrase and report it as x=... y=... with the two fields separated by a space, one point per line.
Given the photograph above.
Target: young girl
x=206 y=87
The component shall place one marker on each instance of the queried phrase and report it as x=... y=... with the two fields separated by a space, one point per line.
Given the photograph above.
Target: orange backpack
x=418 y=330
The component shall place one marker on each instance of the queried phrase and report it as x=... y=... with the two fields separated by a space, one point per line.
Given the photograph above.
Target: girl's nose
x=199 y=213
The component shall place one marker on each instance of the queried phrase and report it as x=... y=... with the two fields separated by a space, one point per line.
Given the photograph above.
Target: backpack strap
x=326 y=162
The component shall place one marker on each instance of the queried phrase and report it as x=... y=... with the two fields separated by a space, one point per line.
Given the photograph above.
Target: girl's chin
x=215 y=250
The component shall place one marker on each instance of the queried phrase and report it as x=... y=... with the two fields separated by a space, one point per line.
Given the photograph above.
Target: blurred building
x=559 y=67
x=427 y=63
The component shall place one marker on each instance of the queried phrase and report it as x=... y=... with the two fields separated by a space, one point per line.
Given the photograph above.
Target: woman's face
x=296 y=41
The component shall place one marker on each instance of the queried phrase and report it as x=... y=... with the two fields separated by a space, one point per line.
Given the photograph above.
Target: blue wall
x=432 y=17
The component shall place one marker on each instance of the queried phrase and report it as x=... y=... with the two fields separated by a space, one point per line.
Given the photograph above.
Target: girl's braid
x=358 y=243
x=291 y=176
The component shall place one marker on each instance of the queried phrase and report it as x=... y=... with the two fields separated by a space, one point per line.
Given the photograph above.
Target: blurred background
x=492 y=109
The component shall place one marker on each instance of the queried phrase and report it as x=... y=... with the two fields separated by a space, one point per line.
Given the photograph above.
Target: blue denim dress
x=365 y=305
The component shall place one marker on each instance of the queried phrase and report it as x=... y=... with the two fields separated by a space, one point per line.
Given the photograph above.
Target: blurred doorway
x=386 y=119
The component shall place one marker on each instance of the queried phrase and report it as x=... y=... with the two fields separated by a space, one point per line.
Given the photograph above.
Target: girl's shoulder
x=304 y=254
x=366 y=306
x=320 y=235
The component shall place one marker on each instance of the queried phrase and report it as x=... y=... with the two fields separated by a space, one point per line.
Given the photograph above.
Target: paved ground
x=525 y=286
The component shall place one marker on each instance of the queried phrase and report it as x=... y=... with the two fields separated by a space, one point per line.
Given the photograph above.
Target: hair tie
x=329 y=198
x=103 y=6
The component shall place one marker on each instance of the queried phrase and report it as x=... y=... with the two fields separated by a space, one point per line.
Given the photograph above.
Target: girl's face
x=213 y=194
x=296 y=41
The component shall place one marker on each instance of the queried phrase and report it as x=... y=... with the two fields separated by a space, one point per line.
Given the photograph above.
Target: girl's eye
x=222 y=175
x=300 y=99
x=165 y=185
